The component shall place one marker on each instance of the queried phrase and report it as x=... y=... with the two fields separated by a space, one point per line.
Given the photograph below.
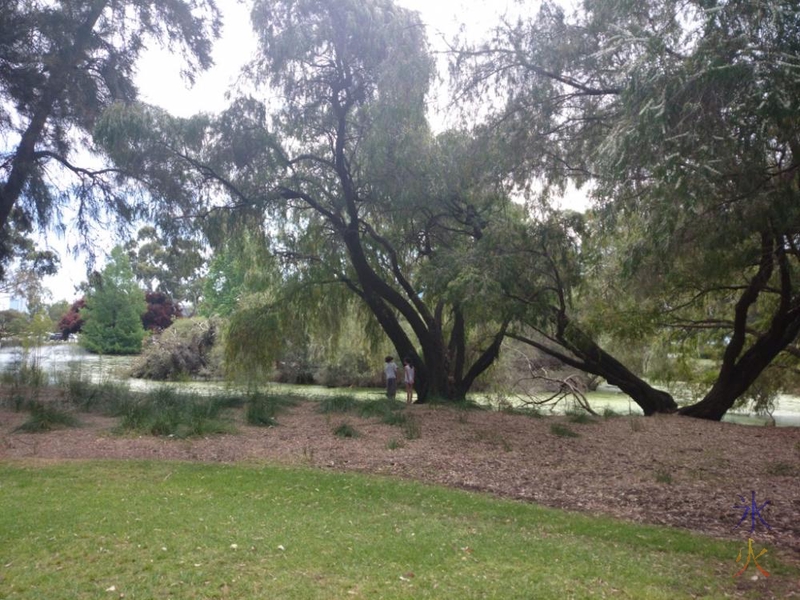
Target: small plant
x=262 y=409
x=562 y=430
x=338 y=404
x=663 y=476
x=45 y=417
x=781 y=469
x=394 y=444
x=608 y=413
x=636 y=424
x=345 y=430
x=579 y=416
x=412 y=430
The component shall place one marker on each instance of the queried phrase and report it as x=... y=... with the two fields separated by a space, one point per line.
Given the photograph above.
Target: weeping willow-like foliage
x=61 y=64
x=683 y=116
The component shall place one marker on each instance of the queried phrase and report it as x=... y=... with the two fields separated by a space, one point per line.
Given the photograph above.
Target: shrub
x=45 y=417
x=345 y=430
x=187 y=349
x=562 y=431
x=262 y=409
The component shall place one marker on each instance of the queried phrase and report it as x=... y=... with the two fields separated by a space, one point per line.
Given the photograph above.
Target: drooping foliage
x=359 y=198
x=61 y=64
x=683 y=117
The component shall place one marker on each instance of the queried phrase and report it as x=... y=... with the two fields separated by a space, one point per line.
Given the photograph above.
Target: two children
x=390 y=371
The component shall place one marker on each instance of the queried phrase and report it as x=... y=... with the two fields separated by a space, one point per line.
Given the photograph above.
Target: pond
x=59 y=360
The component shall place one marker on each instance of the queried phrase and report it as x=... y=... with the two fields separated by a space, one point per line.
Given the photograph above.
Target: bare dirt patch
x=666 y=470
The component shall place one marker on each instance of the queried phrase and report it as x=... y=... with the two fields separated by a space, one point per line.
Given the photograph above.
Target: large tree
x=358 y=193
x=683 y=115
x=61 y=64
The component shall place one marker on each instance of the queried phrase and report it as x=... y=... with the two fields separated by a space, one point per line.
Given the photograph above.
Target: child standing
x=390 y=371
x=408 y=372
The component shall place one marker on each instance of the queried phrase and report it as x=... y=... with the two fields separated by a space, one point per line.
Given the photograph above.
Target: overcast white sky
x=160 y=83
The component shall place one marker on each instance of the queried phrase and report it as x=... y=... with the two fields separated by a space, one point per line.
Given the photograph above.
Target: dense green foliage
x=113 y=311
x=339 y=202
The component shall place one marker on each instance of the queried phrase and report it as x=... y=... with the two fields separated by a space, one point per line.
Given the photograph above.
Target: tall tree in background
x=360 y=197
x=61 y=64
x=167 y=264
x=683 y=115
x=113 y=311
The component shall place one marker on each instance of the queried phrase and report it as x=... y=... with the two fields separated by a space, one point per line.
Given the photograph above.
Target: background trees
x=114 y=308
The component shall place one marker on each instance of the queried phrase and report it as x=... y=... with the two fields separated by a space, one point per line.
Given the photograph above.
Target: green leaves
x=113 y=311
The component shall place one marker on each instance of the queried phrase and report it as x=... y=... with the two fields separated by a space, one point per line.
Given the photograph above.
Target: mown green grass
x=73 y=531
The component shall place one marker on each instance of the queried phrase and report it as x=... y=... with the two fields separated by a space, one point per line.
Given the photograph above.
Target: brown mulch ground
x=666 y=470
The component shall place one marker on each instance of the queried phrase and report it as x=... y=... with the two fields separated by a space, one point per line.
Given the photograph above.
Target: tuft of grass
x=338 y=404
x=46 y=417
x=532 y=411
x=107 y=398
x=345 y=430
x=636 y=424
x=663 y=476
x=24 y=373
x=562 y=430
x=411 y=429
x=394 y=444
x=380 y=408
x=608 y=413
x=781 y=469
x=580 y=417
x=165 y=412
x=263 y=409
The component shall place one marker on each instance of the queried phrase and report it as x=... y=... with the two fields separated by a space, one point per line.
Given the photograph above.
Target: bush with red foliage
x=161 y=311
x=72 y=322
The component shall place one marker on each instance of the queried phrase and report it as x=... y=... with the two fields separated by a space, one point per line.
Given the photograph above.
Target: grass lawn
x=180 y=530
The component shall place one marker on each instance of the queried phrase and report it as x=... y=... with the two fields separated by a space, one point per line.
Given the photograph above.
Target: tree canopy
x=358 y=195
x=683 y=117
x=61 y=64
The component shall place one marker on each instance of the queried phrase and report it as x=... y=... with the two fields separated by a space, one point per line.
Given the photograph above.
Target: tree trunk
x=591 y=358
x=737 y=376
